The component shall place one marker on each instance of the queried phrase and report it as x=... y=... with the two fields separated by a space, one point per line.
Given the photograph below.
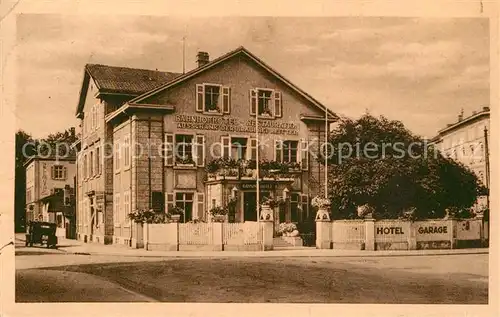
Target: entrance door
x=249 y=206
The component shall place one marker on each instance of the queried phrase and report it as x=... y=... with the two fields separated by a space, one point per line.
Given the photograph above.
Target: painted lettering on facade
x=433 y=229
x=390 y=230
x=234 y=125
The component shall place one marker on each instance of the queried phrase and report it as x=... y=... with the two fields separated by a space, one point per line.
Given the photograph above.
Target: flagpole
x=326 y=156
x=257 y=187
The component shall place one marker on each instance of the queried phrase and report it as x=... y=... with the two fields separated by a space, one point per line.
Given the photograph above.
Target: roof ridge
x=131 y=68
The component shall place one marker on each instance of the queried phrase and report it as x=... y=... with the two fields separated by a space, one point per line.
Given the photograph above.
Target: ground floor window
x=185 y=201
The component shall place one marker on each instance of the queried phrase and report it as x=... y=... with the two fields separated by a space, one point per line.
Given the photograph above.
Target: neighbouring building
x=50 y=184
x=151 y=140
x=467 y=141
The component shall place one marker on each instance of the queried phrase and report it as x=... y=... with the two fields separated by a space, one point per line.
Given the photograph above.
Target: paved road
x=448 y=279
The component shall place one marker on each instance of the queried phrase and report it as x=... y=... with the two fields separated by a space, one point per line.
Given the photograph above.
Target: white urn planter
x=294 y=233
x=323 y=214
x=266 y=213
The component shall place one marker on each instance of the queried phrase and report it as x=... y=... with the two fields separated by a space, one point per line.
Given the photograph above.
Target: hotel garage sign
x=235 y=125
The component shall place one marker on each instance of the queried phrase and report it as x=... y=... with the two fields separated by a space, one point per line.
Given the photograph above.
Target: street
x=54 y=276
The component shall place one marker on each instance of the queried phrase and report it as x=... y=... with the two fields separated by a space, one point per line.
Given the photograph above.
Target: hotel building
x=152 y=140
x=467 y=141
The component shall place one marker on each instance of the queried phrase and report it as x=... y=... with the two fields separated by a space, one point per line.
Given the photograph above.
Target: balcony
x=230 y=169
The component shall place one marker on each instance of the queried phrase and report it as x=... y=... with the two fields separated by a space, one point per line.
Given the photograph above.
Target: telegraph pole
x=487 y=164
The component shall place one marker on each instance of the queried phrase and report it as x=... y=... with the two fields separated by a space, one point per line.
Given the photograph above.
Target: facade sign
x=254 y=186
x=390 y=230
x=235 y=125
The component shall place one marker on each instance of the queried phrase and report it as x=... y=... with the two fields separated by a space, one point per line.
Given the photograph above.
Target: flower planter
x=184 y=165
x=218 y=218
x=175 y=218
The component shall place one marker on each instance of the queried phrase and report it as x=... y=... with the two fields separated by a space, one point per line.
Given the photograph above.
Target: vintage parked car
x=41 y=233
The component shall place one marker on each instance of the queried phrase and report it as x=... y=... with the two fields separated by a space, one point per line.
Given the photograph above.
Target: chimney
x=486 y=108
x=461 y=115
x=72 y=130
x=203 y=58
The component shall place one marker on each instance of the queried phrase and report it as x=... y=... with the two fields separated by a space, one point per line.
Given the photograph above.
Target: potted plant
x=184 y=161
x=218 y=213
x=366 y=211
x=175 y=213
x=213 y=108
x=322 y=204
x=211 y=168
x=288 y=229
x=141 y=216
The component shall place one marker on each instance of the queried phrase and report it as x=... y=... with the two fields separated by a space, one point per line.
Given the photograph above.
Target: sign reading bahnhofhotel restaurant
x=232 y=124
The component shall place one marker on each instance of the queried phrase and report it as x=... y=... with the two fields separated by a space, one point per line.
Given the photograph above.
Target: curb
x=271 y=254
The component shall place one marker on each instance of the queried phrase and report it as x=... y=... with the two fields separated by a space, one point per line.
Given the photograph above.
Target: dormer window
x=265 y=102
x=213 y=99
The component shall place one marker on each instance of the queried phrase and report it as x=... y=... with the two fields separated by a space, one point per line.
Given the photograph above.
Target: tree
x=379 y=162
x=24 y=149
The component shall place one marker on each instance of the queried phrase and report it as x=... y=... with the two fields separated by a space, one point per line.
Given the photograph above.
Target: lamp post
x=285 y=196
x=234 y=192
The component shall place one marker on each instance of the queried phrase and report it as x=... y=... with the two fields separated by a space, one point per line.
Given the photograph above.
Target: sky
x=421 y=71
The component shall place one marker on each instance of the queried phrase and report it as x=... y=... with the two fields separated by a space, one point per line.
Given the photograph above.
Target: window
x=98 y=161
x=238 y=148
x=85 y=166
x=28 y=195
x=58 y=172
x=126 y=152
x=286 y=151
x=91 y=164
x=126 y=206
x=212 y=98
x=290 y=151
x=266 y=102
x=117 y=154
x=184 y=149
x=185 y=201
x=264 y=98
x=116 y=209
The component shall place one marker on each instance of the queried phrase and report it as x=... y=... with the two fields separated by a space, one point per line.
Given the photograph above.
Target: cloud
x=301 y=48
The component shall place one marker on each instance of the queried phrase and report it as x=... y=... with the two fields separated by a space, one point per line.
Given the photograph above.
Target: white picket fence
x=204 y=236
x=196 y=233
x=243 y=233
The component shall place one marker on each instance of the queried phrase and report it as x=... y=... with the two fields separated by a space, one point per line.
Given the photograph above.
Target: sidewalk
x=78 y=247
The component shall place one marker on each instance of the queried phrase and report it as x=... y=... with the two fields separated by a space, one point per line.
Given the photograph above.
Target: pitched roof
x=237 y=51
x=123 y=80
x=127 y=80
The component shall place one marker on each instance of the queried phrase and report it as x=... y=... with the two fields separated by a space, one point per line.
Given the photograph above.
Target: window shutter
x=253 y=148
x=277 y=104
x=199 y=98
x=169 y=201
x=169 y=149
x=226 y=99
x=53 y=172
x=200 y=205
x=253 y=102
x=200 y=150
x=278 y=150
x=304 y=155
x=64 y=172
x=226 y=146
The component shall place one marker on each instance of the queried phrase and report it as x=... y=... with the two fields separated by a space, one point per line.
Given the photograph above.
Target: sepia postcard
x=259 y=158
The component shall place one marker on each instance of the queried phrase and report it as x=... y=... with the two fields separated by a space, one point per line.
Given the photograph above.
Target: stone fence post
x=369 y=234
x=267 y=220
x=323 y=230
